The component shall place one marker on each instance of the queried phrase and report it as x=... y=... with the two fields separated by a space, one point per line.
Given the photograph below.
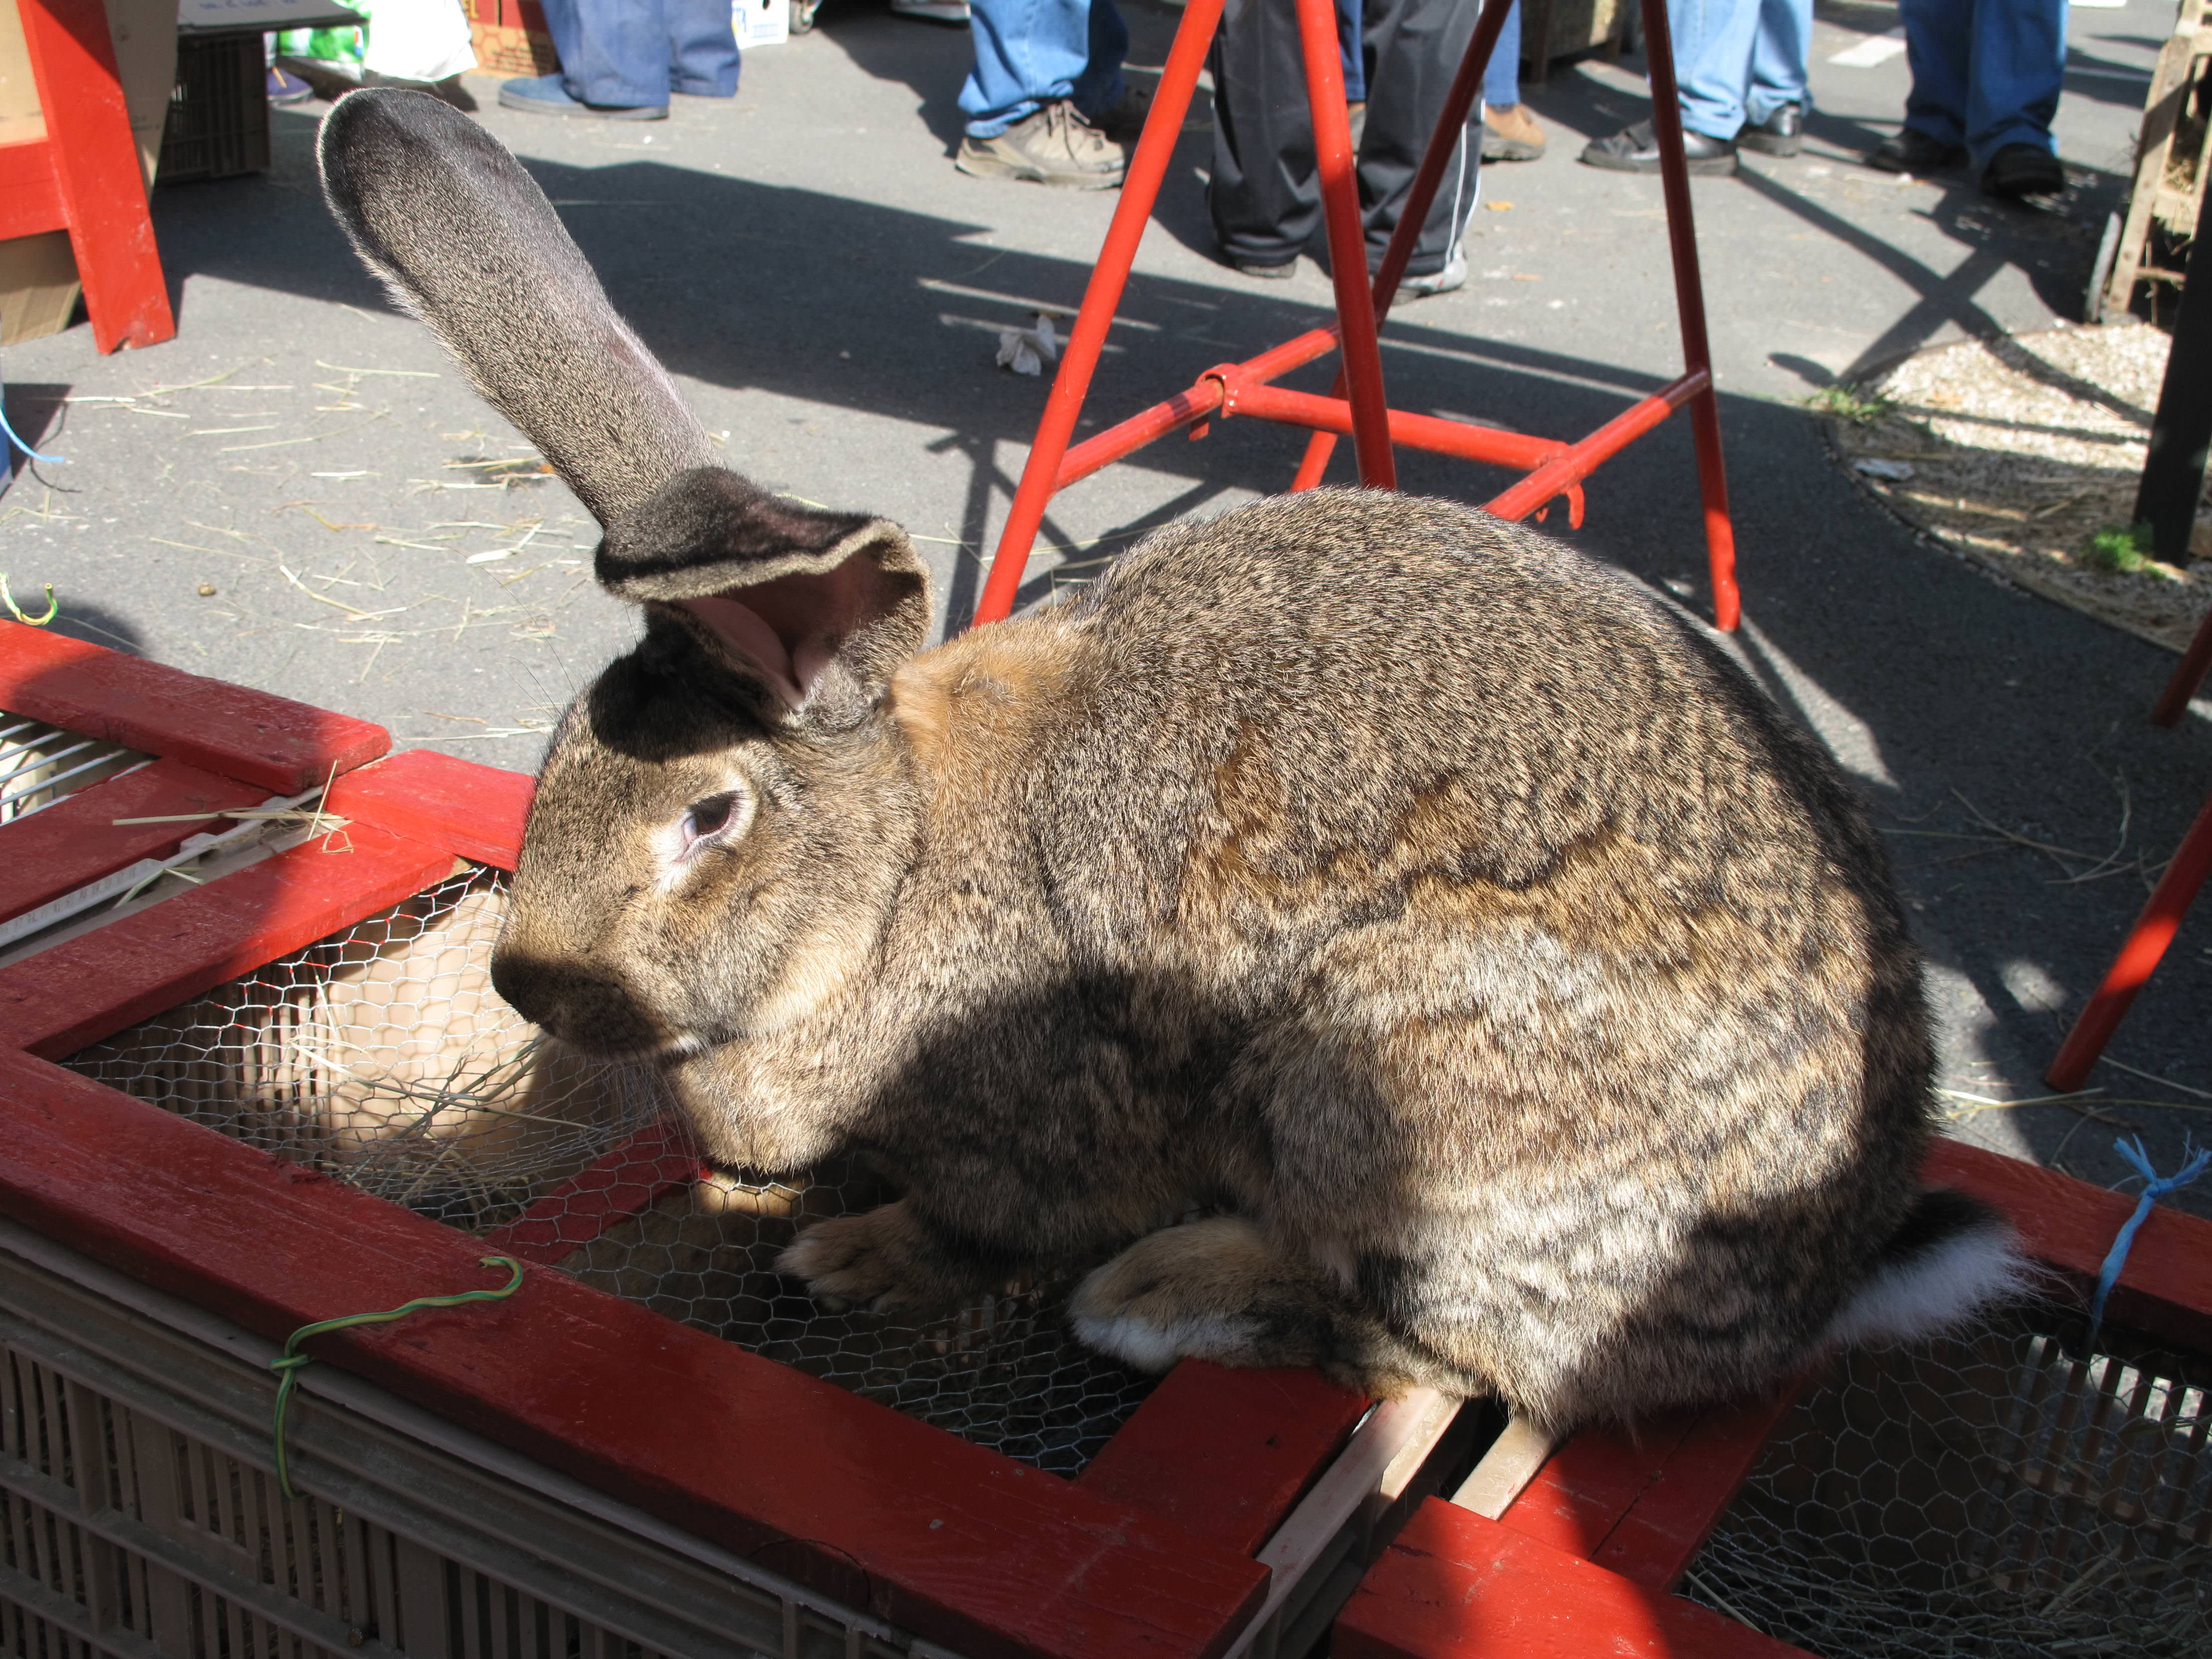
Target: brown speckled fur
x=1407 y=883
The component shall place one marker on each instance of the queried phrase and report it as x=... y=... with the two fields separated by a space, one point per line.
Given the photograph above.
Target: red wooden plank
x=631 y=1177
x=2166 y=1290
x=60 y=847
x=1581 y=1493
x=476 y=810
x=92 y=986
x=962 y=1545
x=1666 y=1524
x=30 y=201
x=95 y=166
x=1225 y=1453
x=1454 y=1585
x=283 y=745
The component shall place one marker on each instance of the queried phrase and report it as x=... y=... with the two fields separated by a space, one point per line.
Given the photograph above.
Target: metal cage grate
x=2000 y=1497
x=382 y=1056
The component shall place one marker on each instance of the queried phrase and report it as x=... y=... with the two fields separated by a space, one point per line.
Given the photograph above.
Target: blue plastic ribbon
x=2159 y=1187
x=9 y=432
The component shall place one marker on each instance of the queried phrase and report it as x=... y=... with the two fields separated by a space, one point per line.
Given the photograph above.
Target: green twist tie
x=288 y=1366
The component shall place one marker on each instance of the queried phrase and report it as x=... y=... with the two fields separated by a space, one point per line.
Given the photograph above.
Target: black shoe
x=1782 y=133
x=1270 y=271
x=2018 y=170
x=1636 y=149
x=1907 y=150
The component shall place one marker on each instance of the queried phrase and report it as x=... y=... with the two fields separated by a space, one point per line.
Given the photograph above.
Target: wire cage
x=244 y=922
x=2009 y=1497
x=380 y=1056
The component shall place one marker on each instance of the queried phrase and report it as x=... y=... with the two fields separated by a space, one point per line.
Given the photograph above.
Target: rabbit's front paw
x=884 y=1260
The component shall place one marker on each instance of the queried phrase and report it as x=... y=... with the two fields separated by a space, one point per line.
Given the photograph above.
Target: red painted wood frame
x=83 y=176
x=1147 y=1552
x=1551 y=468
x=1585 y=1560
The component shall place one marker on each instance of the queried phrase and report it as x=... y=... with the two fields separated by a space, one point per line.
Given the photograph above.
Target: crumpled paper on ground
x=1027 y=350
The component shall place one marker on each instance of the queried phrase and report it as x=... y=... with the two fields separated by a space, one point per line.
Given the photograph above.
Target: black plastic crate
x=218 y=124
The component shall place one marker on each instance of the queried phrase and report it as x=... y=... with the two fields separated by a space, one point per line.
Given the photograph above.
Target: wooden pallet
x=2172 y=157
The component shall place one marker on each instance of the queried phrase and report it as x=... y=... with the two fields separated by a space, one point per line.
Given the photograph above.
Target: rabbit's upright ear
x=466 y=240
x=820 y=608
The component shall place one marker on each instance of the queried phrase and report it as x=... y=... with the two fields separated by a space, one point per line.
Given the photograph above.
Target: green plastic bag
x=326 y=46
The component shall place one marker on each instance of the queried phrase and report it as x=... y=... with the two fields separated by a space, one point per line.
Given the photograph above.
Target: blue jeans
x=634 y=53
x=1738 y=61
x=1501 y=82
x=1985 y=73
x=1033 y=52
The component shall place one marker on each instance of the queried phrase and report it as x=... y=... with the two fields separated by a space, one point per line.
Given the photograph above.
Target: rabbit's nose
x=576 y=1001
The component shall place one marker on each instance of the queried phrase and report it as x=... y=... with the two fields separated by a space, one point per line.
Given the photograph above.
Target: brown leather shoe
x=1510 y=133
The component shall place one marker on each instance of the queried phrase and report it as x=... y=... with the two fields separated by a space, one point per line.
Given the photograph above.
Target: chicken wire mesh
x=382 y=1056
x=2002 y=1498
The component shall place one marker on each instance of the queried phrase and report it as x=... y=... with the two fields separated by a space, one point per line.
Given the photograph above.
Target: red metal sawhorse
x=2185 y=872
x=83 y=176
x=1550 y=467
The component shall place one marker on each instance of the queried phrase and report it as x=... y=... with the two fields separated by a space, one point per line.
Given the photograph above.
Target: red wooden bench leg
x=95 y=164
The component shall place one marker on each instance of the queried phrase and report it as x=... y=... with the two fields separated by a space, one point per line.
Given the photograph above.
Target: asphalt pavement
x=299 y=492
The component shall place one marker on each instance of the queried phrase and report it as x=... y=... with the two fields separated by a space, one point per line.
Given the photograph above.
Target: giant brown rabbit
x=1522 y=1000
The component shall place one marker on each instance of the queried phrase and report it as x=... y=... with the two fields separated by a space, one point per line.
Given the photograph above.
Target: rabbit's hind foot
x=1217 y=1290
x=887 y=1260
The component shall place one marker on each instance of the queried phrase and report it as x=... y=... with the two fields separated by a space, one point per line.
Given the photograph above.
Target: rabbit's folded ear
x=819 y=607
x=466 y=240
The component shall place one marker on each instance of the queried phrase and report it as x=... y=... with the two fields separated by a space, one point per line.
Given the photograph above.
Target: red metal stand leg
x=96 y=173
x=1141 y=188
x=2195 y=663
x=2146 y=943
x=1347 y=244
x=1465 y=86
x=1690 y=303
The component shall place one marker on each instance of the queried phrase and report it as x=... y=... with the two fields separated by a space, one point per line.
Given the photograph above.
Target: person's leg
x=2018 y=61
x=1351 y=48
x=702 y=48
x=1501 y=81
x=1712 y=62
x=1938 y=49
x=1417 y=46
x=1098 y=87
x=1780 y=47
x=613 y=53
x=1029 y=53
x=1263 y=197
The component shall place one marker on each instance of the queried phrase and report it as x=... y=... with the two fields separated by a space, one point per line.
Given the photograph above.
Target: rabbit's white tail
x=1953 y=1259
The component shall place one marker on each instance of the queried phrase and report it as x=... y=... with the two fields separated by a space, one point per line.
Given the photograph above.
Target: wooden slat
x=92 y=986
x=1225 y=1453
x=1455 y=1585
x=2166 y=1290
x=76 y=839
x=962 y=1545
x=476 y=810
x=283 y=745
x=625 y=1181
x=30 y=201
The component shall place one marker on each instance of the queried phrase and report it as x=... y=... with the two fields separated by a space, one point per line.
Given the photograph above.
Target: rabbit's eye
x=708 y=815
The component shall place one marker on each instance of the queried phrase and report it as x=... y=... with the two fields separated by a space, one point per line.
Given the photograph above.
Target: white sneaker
x=1454 y=275
x=932 y=11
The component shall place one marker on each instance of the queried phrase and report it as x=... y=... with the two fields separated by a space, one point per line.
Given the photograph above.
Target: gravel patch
x=2017 y=451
